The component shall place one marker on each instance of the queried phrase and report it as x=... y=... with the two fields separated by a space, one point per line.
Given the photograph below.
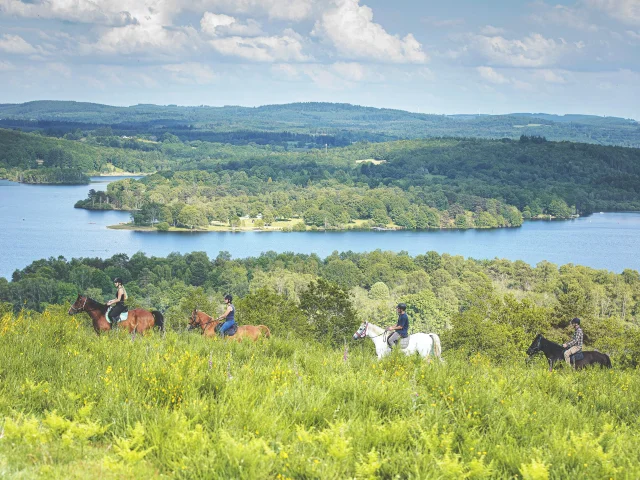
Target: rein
x=364 y=333
x=202 y=325
x=78 y=310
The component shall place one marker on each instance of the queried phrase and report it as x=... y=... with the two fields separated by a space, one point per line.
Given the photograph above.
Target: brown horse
x=209 y=325
x=139 y=320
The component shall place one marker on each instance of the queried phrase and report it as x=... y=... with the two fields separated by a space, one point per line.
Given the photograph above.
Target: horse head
x=361 y=332
x=79 y=305
x=194 y=320
x=535 y=346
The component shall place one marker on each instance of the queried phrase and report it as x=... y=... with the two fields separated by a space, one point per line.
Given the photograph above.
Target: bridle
x=81 y=309
x=364 y=332
x=195 y=318
x=537 y=347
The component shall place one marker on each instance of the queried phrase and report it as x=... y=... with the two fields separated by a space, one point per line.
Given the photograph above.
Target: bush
x=162 y=227
x=379 y=291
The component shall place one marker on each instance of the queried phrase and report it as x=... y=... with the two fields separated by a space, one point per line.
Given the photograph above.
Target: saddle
x=402 y=343
x=123 y=316
x=576 y=357
x=229 y=333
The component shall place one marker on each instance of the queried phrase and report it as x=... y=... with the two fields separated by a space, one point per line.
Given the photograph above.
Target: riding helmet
x=576 y=320
x=117 y=280
x=228 y=297
x=402 y=306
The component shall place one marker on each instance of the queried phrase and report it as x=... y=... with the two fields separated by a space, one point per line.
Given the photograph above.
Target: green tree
x=329 y=312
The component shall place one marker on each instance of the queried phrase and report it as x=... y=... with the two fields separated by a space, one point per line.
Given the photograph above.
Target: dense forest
x=494 y=307
x=316 y=124
x=444 y=183
x=195 y=199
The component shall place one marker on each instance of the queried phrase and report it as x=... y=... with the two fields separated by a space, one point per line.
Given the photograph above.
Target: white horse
x=423 y=343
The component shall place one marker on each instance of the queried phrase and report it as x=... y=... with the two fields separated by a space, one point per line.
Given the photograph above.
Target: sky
x=444 y=57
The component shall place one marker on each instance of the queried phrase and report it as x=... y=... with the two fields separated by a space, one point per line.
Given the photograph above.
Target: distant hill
x=344 y=123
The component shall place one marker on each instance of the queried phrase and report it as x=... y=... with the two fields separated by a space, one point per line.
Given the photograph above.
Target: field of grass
x=74 y=405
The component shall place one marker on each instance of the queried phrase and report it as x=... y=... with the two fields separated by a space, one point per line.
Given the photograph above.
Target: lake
x=39 y=221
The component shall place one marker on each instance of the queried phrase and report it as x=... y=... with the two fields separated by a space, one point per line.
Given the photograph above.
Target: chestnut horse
x=138 y=320
x=209 y=325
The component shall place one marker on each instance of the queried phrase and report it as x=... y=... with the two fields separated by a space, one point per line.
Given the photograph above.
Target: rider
x=119 y=306
x=574 y=345
x=228 y=315
x=401 y=329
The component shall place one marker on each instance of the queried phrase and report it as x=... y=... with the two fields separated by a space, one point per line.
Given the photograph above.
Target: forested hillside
x=314 y=123
x=494 y=307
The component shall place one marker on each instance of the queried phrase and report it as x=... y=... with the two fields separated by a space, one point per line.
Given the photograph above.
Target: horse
x=209 y=327
x=555 y=352
x=138 y=320
x=423 y=343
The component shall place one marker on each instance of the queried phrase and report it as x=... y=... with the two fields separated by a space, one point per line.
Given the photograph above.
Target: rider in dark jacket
x=401 y=329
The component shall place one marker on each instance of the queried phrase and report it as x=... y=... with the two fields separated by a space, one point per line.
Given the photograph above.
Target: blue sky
x=458 y=56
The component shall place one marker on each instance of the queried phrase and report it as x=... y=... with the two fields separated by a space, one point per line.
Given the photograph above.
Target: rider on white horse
x=401 y=329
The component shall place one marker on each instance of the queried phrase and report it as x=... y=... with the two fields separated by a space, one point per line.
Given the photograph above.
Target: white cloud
x=442 y=23
x=549 y=76
x=336 y=76
x=349 y=27
x=490 y=75
x=577 y=18
x=349 y=70
x=294 y=10
x=59 y=69
x=224 y=25
x=633 y=35
x=105 y=12
x=16 y=45
x=148 y=39
x=491 y=30
x=191 y=73
x=625 y=11
x=285 y=48
x=6 y=66
x=532 y=51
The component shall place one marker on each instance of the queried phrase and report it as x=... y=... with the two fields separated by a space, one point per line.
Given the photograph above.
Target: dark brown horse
x=555 y=352
x=138 y=320
x=209 y=327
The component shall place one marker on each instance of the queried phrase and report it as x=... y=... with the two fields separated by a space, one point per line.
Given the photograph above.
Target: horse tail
x=159 y=319
x=607 y=360
x=437 y=348
x=265 y=331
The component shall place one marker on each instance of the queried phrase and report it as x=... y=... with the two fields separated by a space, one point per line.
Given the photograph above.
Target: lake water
x=39 y=221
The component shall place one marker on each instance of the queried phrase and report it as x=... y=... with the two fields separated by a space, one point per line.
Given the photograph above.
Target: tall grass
x=73 y=405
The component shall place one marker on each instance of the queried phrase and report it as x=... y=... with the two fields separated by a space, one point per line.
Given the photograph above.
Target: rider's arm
x=227 y=312
x=119 y=297
x=572 y=342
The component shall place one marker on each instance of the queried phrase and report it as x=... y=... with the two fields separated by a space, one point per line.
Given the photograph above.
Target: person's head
x=402 y=307
x=228 y=299
x=117 y=281
x=575 y=323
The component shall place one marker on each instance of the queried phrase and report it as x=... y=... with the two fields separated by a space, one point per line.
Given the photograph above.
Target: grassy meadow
x=74 y=405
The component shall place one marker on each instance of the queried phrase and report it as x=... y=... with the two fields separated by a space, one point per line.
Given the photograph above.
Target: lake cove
x=39 y=221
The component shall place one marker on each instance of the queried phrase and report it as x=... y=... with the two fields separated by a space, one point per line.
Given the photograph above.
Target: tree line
x=492 y=307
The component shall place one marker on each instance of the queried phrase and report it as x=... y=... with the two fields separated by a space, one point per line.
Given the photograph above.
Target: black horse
x=555 y=352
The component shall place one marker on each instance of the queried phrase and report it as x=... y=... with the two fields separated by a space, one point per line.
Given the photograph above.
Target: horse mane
x=553 y=344
x=97 y=304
